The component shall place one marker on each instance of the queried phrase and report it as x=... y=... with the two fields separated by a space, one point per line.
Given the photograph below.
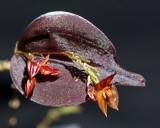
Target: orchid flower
x=34 y=67
x=105 y=94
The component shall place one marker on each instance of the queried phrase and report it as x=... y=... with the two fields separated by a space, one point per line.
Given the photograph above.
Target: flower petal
x=103 y=83
x=101 y=102
x=44 y=60
x=91 y=93
x=109 y=78
x=113 y=98
x=46 y=70
x=29 y=86
x=33 y=68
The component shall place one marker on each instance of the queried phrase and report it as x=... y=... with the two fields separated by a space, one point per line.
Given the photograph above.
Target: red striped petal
x=46 y=70
x=29 y=87
x=33 y=68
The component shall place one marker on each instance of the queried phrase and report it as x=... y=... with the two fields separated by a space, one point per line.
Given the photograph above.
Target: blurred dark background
x=134 y=29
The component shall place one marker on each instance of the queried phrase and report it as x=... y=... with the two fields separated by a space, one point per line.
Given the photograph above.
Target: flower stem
x=76 y=59
x=4 y=65
x=83 y=63
x=27 y=55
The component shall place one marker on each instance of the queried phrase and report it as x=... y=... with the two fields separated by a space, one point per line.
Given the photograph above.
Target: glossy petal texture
x=105 y=94
x=62 y=31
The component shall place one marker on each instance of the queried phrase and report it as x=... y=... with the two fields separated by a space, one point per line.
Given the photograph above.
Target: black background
x=133 y=26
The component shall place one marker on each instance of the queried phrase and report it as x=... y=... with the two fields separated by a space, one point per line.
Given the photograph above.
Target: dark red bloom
x=34 y=67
